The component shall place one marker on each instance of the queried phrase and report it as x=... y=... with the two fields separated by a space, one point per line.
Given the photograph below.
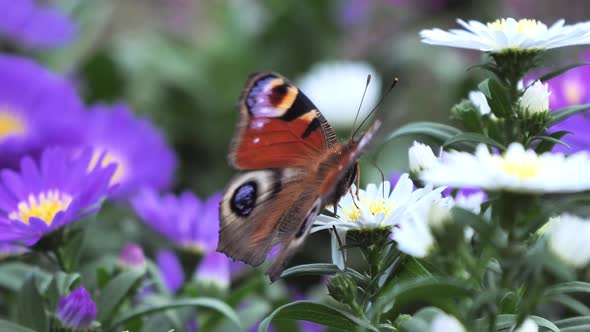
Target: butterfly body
x=290 y=167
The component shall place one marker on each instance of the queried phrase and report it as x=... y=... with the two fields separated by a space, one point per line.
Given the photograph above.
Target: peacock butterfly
x=290 y=167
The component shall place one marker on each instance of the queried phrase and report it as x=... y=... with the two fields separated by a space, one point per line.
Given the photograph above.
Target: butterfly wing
x=279 y=136
x=332 y=171
x=250 y=210
x=278 y=127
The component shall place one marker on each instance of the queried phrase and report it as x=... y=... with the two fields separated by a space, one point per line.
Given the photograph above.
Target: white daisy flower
x=528 y=325
x=479 y=100
x=446 y=323
x=421 y=157
x=336 y=89
x=568 y=239
x=535 y=98
x=516 y=170
x=377 y=207
x=509 y=34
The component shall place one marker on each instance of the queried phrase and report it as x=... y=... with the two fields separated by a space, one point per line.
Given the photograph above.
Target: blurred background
x=183 y=63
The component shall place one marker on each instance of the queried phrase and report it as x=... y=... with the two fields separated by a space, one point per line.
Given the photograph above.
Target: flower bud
x=446 y=323
x=77 y=310
x=342 y=288
x=421 y=157
x=568 y=240
x=535 y=99
x=132 y=256
x=480 y=101
x=528 y=325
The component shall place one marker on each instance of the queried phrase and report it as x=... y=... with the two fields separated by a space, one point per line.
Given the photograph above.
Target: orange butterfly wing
x=279 y=126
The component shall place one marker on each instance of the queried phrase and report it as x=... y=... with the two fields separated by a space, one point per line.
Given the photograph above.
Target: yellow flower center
x=109 y=158
x=352 y=213
x=10 y=125
x=524 y=167
x=573 y=92
x=526 y=26
x=43 y=206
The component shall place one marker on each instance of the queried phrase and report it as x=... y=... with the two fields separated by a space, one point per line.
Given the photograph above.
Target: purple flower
x=77 y=310
x=183 y=219
x=132 y=256
x=37 y=109
x=170 y=270
x=569 y=89
x=137 y=147
x=34 y=26
x=44 y=197
x=214 y=268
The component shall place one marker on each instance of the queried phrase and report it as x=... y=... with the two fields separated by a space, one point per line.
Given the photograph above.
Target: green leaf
x=438 y=131
x=568 y=288
x=497 y=97
x=13 y=274
x=573 y=322
x=60 y=285
x=252 y=285
x=319 y=269
x=572 y=304
x=473 y=137
x=564 y=113
x=316 y=313
x=561 y=70
x=548 y=142
x=412 y=268
x=579 y=328
x=72 y=250
x=311 y=269
x=209 y=303
x=115 y=292
x=30 y=310
x=13 y=327
x=426 y=289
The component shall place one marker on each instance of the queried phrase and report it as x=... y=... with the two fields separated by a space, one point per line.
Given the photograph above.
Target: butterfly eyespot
x=244 y=199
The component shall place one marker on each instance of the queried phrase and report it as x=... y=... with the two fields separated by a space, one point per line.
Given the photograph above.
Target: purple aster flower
x=77 y=310
x=37 y=109
x=183 y=219
x=569 y=89
x=34 y=26
x=139 y=149
x=132 y=256
x=214 y=268
x=170 y=270
x=42 y=198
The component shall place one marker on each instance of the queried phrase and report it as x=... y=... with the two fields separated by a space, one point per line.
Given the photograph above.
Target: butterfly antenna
x=391 y=86
x=381 y=172
x=358 y=111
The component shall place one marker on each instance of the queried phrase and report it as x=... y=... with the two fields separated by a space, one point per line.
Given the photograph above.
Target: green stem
x=60 y=261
